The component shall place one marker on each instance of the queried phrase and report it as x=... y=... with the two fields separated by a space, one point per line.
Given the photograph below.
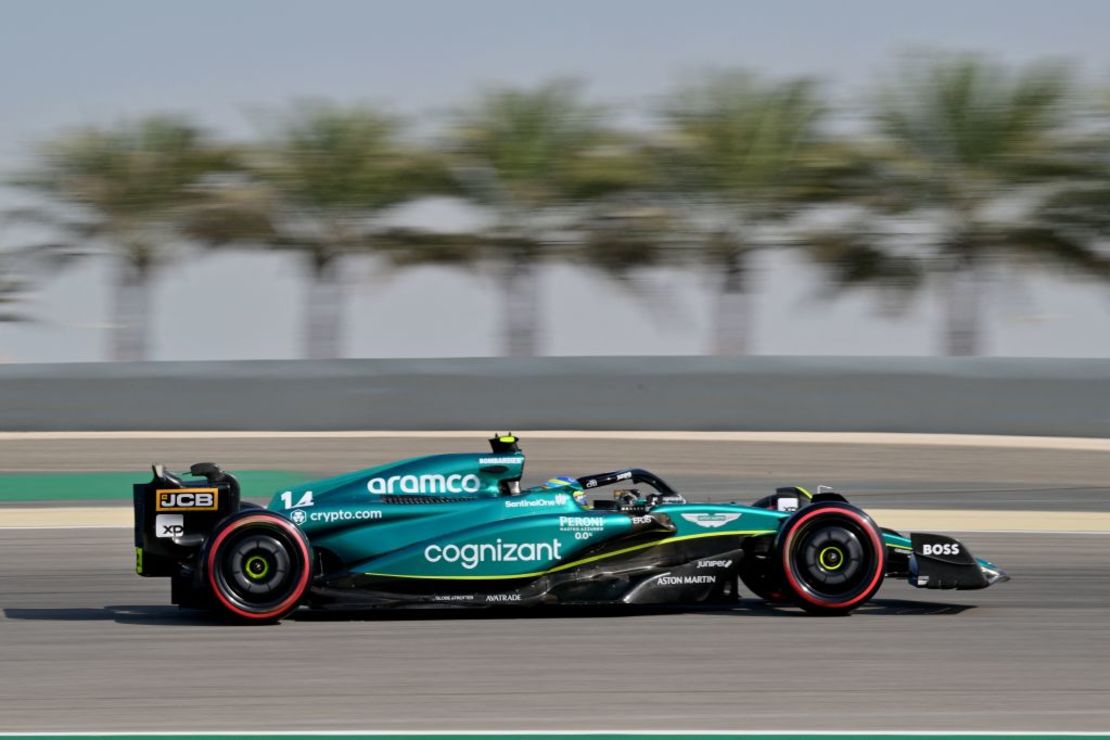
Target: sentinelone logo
x=431 y=483
x=472 y=554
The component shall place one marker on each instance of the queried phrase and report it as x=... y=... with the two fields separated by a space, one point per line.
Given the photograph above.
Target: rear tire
x=258 y=567
x=832 y=558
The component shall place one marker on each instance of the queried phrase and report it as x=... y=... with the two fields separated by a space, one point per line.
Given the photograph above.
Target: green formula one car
x=458 y=530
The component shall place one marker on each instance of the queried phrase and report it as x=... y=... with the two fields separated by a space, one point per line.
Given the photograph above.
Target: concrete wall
x=981 y=396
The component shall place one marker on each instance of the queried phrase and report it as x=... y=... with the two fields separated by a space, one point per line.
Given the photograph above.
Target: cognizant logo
x=432 y=483
x=471 y=554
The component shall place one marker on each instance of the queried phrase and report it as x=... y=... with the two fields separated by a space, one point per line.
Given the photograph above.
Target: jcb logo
x=188 y=499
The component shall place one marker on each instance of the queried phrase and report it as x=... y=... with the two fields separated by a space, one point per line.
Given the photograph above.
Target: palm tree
x=547 y=168
x=320 y=185
x=740 y=157
x=976 y=151
x=12 y=290
x=126 y=188
x=1081 y=209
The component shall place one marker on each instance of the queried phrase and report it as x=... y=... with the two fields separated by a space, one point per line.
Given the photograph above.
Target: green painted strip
x=574 y=736
x=101 y=486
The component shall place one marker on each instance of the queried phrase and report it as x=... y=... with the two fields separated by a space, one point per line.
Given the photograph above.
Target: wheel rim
x=256 y=570
x=832 y=560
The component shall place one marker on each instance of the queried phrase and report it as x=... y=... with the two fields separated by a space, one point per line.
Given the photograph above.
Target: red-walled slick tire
x=258 y=566
x=832 y=557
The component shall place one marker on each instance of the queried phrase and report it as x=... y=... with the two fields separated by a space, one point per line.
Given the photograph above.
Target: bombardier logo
x=187 y=499
x=430 y=483
x=947 y=548
x=711 y=521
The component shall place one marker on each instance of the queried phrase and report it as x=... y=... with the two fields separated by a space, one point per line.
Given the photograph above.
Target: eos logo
x=434 y=483
x=187 y=499
x=948 y=548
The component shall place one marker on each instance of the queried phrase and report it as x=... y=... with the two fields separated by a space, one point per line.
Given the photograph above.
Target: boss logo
x=188 y=499
x=947 y=548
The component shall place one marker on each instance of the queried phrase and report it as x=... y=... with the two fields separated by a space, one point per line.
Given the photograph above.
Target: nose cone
x=994 y=574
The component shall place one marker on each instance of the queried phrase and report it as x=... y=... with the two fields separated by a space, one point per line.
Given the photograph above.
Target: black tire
x=831 y=557
x=765 y=584
x=258 y=567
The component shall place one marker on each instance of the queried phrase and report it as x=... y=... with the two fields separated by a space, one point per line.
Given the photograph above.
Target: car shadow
x=875 y=607
x=753 y=608
x=171 y=616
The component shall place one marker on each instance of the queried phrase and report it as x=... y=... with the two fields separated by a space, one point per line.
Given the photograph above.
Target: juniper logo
x=432 y=483
x=472 y=554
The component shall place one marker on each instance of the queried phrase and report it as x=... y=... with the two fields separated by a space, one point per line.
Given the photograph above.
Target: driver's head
x=566 y=484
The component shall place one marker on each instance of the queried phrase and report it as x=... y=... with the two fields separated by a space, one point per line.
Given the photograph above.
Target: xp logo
x=187 y=499
x=298 y=517
x=169 y=525
x=947 y=548
x=433 y=483
x=711 y=521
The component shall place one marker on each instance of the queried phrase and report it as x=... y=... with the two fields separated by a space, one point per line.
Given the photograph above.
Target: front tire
x=258 y=567
x=832 y=558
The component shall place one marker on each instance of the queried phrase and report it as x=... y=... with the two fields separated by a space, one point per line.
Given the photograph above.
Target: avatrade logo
x=711 y=521
x=187 y=499
x=472 y=554
x=432 y=483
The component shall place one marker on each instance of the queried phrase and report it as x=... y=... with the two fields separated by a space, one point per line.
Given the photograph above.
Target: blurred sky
x=71 y=63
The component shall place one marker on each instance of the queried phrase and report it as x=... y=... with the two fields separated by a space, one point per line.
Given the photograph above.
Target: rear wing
x=174 y=516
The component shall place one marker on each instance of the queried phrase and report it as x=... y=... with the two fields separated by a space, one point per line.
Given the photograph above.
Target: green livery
x=459 y=530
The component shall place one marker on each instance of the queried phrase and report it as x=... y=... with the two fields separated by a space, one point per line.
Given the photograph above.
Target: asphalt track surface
x=85 y=644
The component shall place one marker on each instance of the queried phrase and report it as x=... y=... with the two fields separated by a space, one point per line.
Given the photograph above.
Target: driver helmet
x=565 y=482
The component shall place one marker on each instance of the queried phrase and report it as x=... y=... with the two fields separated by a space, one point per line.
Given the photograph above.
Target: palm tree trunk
x=963 y=307
x=130 y=311
x=733 y=312
x=521 y=313
x=324 y=310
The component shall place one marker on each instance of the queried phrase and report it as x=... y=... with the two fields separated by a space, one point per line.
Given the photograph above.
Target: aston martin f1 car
x=457 y=530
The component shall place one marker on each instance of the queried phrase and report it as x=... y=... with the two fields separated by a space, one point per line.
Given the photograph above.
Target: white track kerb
x=957 y=520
